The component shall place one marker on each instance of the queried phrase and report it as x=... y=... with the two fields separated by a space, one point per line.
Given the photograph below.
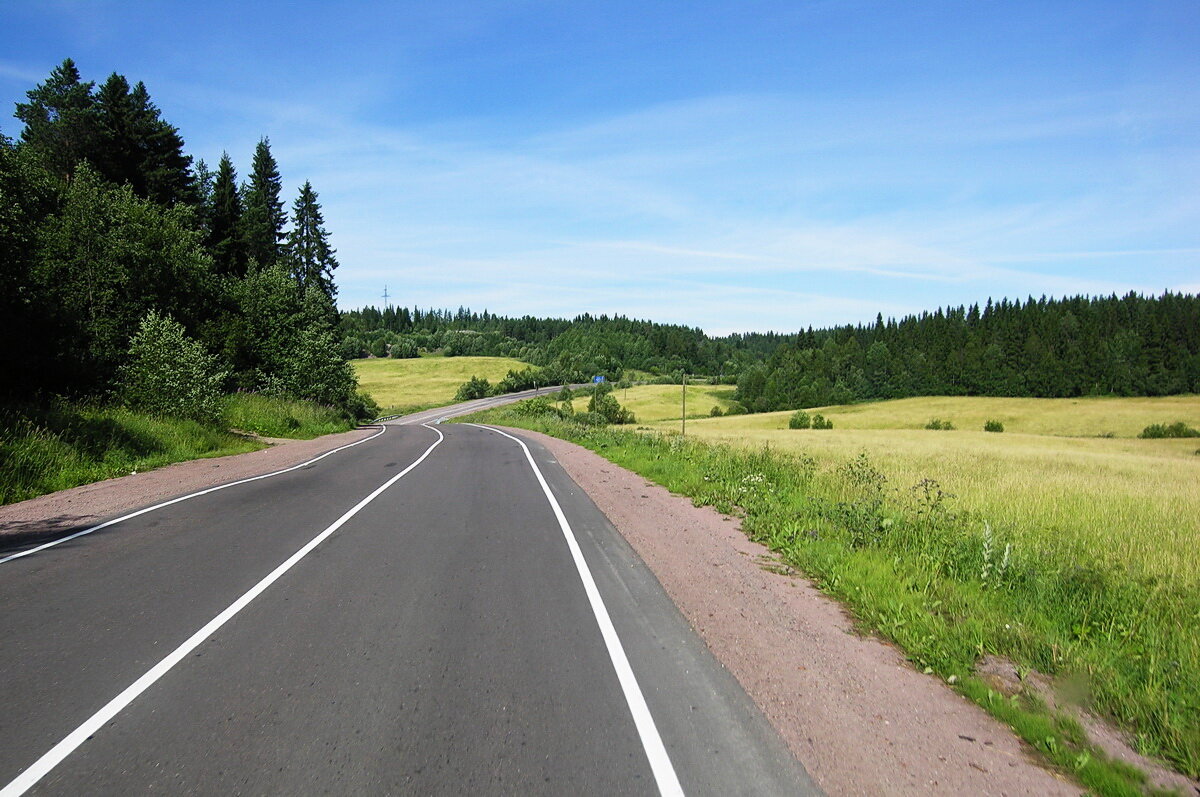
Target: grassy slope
x=1087 y=520
x=66 y=445
x=652 y=403
x=406 y=385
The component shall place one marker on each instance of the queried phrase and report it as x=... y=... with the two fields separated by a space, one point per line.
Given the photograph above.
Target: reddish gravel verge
x=852 y=709
x=48 y=515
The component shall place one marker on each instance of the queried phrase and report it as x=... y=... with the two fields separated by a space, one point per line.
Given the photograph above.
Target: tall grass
x=951 y=585
x=64 y=445
x=274 y=416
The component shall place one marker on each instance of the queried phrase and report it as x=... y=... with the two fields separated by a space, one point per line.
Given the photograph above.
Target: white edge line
x=40 y=768
x=144 y=510
x=656 y=752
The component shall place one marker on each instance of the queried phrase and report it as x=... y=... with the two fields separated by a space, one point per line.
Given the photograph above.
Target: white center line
x=656 y=752
x=68 y=745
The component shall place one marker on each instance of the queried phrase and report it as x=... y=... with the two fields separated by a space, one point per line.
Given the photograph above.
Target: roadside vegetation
x=65 y=445
x=1074 y=557
x=145 y=289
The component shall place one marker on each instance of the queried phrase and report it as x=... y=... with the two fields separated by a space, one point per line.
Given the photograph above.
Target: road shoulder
x=852 y=710
x=54 y=514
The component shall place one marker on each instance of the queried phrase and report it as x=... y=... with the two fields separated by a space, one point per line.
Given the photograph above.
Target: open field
x=652 y=403
x=1070 y=554
x=406 y=385
x=1080 y=417
x=1135 y=501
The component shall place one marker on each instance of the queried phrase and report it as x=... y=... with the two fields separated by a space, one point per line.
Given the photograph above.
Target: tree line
x=573 y=349
x=108 y=227
x=1052 y=348
x=1130 y=345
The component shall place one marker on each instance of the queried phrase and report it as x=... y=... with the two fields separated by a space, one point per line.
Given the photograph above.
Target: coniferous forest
x=1123 y=346
x=115 y=243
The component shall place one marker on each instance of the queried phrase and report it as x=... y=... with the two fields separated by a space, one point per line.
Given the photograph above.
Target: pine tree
x=224 y=222
x=60 y=120
x=263 y=219
x=309 y=254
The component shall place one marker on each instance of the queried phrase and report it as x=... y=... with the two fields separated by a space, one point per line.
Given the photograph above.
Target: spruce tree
x=224 y=222
x=165 y=171
x=263 y=218
x=309 y=254
x=60 y=120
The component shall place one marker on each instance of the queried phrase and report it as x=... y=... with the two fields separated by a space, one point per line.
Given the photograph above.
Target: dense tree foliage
x=104 y=226
x=576 y=349
x=1125 y=346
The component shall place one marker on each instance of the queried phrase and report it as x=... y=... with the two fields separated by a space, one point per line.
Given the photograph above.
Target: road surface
x=436 y=610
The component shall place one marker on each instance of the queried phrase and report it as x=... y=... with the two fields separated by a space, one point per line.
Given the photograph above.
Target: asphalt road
x=408 y=616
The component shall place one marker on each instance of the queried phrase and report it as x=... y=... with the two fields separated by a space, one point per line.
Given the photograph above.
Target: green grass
x=273 y=416
x=1082 y=417
x=43 y=450
x=651 y=403
x=1110 y=606
x=403 y=386
x=66 y=446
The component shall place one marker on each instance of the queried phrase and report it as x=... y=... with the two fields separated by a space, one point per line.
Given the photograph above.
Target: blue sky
x=734 y=166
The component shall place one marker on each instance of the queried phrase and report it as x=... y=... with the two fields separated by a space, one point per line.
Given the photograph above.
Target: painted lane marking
x=656 y=752
x=40 y=768
x=143 y=511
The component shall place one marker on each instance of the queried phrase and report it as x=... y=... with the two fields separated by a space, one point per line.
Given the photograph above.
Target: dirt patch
x=52 y=515
x=851 y=708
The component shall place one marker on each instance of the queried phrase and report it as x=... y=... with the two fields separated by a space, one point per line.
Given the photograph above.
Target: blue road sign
x=596 y=380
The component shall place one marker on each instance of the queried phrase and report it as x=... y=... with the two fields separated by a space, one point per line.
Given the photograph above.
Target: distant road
x=424 y=613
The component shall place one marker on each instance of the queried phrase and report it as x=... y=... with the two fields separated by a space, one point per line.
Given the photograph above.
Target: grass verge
x=64 y=445
x=950 y=587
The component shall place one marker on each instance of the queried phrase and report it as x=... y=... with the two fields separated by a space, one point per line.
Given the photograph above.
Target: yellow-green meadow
x=401 y=385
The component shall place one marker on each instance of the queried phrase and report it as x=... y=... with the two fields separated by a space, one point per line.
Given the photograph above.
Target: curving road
x=437 y=610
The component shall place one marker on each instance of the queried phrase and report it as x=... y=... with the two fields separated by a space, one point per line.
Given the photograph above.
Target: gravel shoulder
x=851 y=708
x=52 y=515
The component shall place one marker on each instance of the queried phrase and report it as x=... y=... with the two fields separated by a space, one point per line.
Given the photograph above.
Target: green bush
x=736 y=408
x=800 y=420
x=605 y=404
x=169 y=374
x=993 y=426
x=938 y=424
x=715 y=412
x=819 y=421
x=1160 y=430
x=473 y=388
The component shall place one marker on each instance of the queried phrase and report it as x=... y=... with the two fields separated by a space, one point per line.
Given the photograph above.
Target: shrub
x=819 y=421
x=473 y=388
x=993 y=426
x=604 y=404
x=1161 y=430
x=715 y=412
x=167 y=373
x=736 y=408
x=938 y=424
x=800 y=420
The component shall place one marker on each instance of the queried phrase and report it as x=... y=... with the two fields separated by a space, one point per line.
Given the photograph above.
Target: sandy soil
x=855 y=713
x=50 y=515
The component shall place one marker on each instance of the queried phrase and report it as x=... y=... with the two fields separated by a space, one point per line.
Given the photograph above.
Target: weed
x=938 y=424
x=993 y=426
